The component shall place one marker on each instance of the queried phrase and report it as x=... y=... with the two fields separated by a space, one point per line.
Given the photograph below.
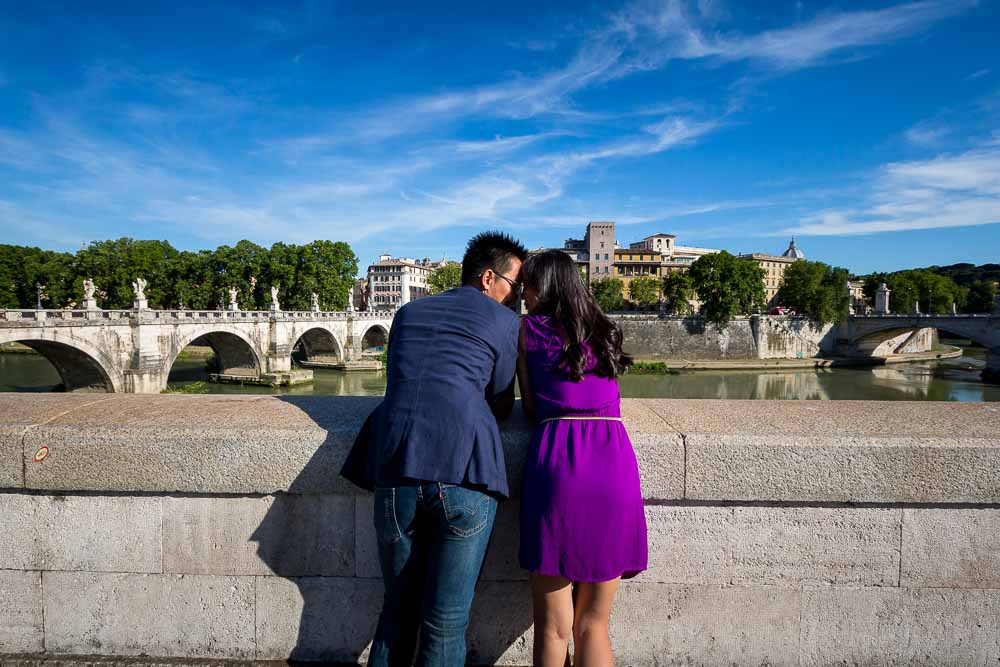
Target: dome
x=793 y=251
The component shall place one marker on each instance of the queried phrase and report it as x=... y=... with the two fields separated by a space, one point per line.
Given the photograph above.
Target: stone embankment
x=780 y=533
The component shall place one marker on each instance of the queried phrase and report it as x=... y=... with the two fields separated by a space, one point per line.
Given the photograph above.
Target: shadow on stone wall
x=319 y=541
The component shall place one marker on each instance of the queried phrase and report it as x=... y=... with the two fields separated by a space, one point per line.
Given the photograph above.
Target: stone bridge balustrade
x=780 y=533
x=132 y=351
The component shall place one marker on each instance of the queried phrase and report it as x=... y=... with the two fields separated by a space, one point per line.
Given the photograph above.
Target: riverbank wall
x=141 y=528
x=760 y=337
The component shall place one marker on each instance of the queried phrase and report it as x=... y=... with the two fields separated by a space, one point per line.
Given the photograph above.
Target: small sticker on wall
x=41 y=454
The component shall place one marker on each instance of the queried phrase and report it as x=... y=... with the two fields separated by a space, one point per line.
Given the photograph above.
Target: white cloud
x=946 y=191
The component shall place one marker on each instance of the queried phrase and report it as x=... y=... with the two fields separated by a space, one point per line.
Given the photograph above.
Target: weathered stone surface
x=18 y=414
x=20 y=612
x=90 y=533
x=152 y=614
x=952 y=548
x=316 y=618
x=501 y=559
x=772 y=545
x=917 y=419
x=11 y=457
x=500 y=626
x=224 y=444
x=900 y=626
x=661 y=464
x=366 y=544
x=663 y=624
x=289 y=535
x=842 y=468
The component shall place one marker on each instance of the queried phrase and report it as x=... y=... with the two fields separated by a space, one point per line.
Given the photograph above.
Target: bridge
x=881 y=334
x=132 y=351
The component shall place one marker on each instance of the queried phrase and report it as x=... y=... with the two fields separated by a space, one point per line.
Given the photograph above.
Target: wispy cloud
x=979 y=73
x=946 y=191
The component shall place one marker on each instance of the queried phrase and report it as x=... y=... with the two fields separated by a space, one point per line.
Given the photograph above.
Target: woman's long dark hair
x=562 y=295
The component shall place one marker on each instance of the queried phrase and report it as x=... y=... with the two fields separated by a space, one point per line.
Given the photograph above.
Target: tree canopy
x=444 y=278
x=608 y=293
x=935 y=293
x=817 y=290
x=198 y=280
x=644 y=291
x=678 y=288
x=727 y=286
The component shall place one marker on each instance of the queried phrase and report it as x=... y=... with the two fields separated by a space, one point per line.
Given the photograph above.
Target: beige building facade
x=395 y=281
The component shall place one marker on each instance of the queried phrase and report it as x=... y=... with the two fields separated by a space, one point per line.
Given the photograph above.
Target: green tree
x=326 y=268
x=678 y=289
x=981 y=297
x=444 y=278
x=727 y=286
x=817 y=290
x=644 y=291
x=934 y=293
x=114 y=264
x=608 y=293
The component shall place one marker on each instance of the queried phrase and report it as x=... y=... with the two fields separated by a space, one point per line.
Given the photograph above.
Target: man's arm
x=523 y=379
x=500 y=392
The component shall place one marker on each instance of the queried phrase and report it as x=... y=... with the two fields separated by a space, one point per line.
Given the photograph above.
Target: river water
x=946 y=380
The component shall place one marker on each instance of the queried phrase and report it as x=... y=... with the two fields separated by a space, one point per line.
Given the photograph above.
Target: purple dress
x=582 y=515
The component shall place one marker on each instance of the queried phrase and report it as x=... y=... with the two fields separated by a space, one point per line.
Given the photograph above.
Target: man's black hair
x=490 y=250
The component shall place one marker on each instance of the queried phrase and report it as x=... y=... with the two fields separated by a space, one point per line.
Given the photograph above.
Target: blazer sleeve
x=502 y=379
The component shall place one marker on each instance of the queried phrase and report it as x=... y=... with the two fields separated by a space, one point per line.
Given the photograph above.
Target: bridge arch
x=82 y=367
x=318 y=343
x=375 y=336
x=883 y=331
x=236 y=353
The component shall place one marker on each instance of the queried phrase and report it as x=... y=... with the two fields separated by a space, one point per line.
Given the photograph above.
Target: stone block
x=772 y=545
x=664 y=624
x=842 y=468
x=366 y=543
x=951 y=548
x=661 y=464
x=11 y=457
x=89 y=533
x=21 y=612
x=289 y=535
x=500 y=625
x=900 y=626
x=185 y=616
x=219 y=444
x=501 y=560
x=329 y=619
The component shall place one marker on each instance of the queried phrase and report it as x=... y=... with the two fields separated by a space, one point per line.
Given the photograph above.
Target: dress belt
x=581 y=418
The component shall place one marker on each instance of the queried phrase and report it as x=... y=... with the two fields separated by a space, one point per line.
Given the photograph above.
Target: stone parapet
x=216 y=528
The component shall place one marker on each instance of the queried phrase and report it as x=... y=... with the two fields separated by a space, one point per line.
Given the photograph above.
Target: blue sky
x=869 y=131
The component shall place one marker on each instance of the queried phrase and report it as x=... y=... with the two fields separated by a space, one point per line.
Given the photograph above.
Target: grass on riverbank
x=651 y=368
x=190 y=388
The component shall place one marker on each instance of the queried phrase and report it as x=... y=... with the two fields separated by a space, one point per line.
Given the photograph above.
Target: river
x=946 y=380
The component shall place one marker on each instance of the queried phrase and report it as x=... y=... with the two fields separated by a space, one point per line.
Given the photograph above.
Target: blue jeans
x=432 y=540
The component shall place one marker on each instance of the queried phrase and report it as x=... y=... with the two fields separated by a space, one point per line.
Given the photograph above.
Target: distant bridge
x=132 y=351
x=863 y=334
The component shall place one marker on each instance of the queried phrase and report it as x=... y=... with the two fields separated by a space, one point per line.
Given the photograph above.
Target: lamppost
x=38 y=292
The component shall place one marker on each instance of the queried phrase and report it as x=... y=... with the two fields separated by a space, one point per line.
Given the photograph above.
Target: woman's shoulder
x=539 y=330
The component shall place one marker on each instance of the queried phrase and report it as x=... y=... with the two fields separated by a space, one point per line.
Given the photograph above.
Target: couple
x=431 y=452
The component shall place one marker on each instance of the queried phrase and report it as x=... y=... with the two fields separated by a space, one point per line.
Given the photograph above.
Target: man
x=431 y=451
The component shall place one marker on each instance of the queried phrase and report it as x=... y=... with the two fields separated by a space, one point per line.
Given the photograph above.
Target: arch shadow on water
x=333 y=569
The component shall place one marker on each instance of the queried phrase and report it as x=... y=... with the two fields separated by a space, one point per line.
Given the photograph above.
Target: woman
x=583 y=528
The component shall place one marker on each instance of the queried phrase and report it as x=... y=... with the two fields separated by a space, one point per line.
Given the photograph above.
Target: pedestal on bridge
x=90 y=304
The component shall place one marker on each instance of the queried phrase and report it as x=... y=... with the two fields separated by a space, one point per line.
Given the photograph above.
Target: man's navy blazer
x=449 y=355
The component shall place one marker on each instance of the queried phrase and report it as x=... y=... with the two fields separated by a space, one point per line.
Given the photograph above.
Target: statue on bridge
x=89 y=302
x=274 y=298
x=350 y=301
x=233 y=306
x=139 y=287
x=314 y=302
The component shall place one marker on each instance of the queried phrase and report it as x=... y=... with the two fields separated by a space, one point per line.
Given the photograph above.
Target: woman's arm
x=523 y=380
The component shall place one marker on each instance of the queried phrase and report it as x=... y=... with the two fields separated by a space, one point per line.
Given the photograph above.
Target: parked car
x=782 y=310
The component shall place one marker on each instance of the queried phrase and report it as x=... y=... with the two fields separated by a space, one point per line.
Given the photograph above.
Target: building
x=633 y=263
x=774 y=268
x=858 y=304
x=395 y=281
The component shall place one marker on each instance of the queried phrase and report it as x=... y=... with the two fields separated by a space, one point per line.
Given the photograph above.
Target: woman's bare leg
x=591 y=642
x=552 y=601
